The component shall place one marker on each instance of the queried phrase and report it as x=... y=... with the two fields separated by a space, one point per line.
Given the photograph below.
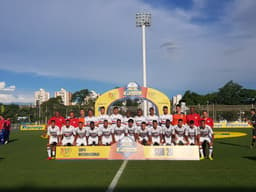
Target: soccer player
x=253 y=123
x=106 y=132
x=2 y=130
x=127 y=118
x=7 y=128
x=156 y=133
x=59 y=120
x=82 y=117
x=139 y=118
x=193 y=133
x=152 y=117
x=178 y=115
x=80 y=135
x=165 y=116
x=115 y=116
x=143 y=135
x=208 y=120
x=181 y=133
x=193 y=116
x=53 y=131
x=67 y=134
x=93 y=134
x=168 y=132
x=118 y=131
x=102 y=117
x=131 y=129
x=73 y=120
x=91 y=118
x=206 y=137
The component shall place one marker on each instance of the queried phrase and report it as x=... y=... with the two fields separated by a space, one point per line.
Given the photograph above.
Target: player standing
x=193 y=133
x=152 y=117
x=118 y=131
x=80 y=135
x=193 y=116
x=168 y=132
x=139 y=118
x=102 y=117
x=73 y=120
x=82 y=116
x=131 y=129
x=181 y=133
x=143 y=135
x=127 y=118
x=156 y=133
x=253 y=123
x=106 y=133
x=91 y=118
x=93 y=134
x=53 y=132
x=59 y=120
x=67 y=134
x=115 y=116
x=178 y=115
x=206 y=137
x=165 y=116
x=208 y=120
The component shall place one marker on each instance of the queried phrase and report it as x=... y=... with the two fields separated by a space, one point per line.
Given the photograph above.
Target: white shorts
x=203 y=139
x=180 y=139
x=191 y=140
x=156 y=140
x=81 y=141
x=66 y=141
x=118 y=137
x=168 y=140
x=107 y=140
x=143 y=138
x=92 y=140
x=53 y=140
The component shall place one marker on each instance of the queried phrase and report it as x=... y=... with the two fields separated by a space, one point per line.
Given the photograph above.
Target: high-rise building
x=65 y=96
x=41 y=96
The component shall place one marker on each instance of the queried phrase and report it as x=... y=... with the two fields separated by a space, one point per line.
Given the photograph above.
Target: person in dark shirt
x=253 y=123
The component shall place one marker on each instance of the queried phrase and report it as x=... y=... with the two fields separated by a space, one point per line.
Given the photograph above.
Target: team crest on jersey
x=126 y=146
x=132 y=89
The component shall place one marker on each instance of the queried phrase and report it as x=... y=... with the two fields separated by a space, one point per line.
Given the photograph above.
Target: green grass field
x=23 y=166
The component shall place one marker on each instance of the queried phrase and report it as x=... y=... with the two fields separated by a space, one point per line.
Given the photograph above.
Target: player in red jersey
x=178 y=115
x=193 y=116
x=73 y=120
x=208 y=120
x=59 y=120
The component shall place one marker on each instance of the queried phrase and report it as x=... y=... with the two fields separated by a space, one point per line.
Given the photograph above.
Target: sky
x=196 y=45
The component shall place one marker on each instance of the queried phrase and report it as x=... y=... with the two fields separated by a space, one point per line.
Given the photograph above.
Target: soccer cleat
x=211 y=158
x=202 y=158
x=49 y=158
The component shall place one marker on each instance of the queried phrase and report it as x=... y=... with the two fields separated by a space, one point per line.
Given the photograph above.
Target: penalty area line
x=115 y=180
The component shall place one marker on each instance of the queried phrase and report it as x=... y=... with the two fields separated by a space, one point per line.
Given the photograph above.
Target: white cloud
x=20 y=98
x=4 y=88
x=98 y=40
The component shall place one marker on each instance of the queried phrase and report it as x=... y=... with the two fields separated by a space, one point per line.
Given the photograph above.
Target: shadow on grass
x=13 y=140
x=250 y=157
x=140 y=189
x=233 y=144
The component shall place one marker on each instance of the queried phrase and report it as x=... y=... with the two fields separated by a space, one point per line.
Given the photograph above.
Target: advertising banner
x=32 y=127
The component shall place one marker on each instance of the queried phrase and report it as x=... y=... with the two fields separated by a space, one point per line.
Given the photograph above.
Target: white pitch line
x=115 y=180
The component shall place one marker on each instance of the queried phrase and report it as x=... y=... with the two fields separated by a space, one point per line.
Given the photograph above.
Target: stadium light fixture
x=143 y=20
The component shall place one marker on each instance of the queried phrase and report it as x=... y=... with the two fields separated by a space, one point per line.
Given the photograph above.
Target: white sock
x=201 y=152
x=49 y=151
x=53 y=153
x=210 y=151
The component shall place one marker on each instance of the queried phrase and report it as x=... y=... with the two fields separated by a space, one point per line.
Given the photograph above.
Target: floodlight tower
x=143 y=20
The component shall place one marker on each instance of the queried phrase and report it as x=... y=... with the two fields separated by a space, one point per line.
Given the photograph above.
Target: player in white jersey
x=67 y=132
x=93 y=134
x=106 y=133
x=181 y=133
x=193 y=133
x=206 y=137
x=156 y=133
x=90 y=118
x=115 y=116
x=139 y=118
x=127 y=118
x=168 y=132
x=102 y=117
x=143 y=135
x=118 y=131
x=131 y=129
x=53 y=131
x=152 y=117
x=80 y=135
x=165 y=117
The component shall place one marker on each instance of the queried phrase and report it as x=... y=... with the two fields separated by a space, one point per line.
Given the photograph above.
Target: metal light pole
x=143 y=20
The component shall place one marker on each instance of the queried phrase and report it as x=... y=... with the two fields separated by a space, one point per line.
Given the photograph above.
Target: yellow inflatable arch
x=133 y=90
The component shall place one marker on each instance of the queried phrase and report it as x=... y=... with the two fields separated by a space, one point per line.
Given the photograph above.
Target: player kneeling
x=118 y=130
x=106 y=134
x=168 y=132
x=143 y=134
x=53 y=131
x=93 y=134
x=193 y=133
x=156 y=134
x=67 y=132
x=80 y=135
x=181 y=133
x=206 y=137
